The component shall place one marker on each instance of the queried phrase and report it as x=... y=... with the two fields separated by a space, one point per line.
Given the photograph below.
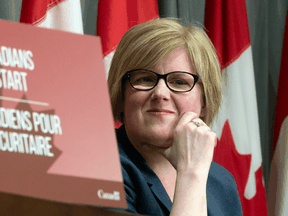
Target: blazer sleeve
x=222 y=193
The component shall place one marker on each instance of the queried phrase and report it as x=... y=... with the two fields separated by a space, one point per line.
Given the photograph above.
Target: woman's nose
x=161 y=91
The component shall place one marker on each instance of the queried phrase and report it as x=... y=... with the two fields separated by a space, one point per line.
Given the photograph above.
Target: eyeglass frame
x=161 y=76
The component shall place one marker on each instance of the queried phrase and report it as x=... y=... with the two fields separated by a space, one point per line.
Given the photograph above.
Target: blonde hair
x=145 y=44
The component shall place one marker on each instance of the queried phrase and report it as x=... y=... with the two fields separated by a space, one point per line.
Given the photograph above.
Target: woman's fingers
x=185 y=119
x=193 y=144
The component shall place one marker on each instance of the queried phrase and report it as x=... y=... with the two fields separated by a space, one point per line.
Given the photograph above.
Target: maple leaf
x=238 y=165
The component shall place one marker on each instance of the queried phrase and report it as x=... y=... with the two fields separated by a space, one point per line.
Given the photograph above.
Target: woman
x=165 y=87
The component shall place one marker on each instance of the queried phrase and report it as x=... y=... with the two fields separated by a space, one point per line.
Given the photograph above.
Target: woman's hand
x=192 y=148
x=191 y=155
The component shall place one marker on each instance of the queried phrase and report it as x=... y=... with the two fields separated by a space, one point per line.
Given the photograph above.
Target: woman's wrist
x=190 y=194
x=191 y=172
x=188 y=178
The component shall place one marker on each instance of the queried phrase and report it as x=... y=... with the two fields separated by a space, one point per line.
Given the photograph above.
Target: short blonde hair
x=145 y=44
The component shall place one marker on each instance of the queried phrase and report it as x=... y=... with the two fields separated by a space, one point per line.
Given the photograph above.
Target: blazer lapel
x=159 y=191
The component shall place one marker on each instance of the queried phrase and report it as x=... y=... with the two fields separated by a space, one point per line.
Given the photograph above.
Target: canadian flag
x=56 y=14
x=237 y=128
x=116 y=17
x=278 y=183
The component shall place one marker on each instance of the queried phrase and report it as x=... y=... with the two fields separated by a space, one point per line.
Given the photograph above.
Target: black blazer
x=146 y=195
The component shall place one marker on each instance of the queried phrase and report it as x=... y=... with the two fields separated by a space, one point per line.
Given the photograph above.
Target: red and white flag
x=56 y=14
x=116 y=17
x=278 y=182
x=237 y=127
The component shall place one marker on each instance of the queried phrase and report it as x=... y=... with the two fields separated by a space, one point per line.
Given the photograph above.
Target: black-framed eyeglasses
x=177 y=81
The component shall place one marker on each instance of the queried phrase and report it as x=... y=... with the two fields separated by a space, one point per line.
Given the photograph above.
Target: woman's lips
x=159 y=111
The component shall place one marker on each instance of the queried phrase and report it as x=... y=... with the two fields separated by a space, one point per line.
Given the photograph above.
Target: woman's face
x=151 y=116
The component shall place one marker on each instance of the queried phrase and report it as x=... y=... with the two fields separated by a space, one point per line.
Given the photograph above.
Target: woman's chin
x=152 y=134
x=160 y=140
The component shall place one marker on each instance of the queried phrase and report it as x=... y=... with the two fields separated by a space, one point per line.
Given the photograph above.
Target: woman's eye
x=144 y=79
x=178 y=82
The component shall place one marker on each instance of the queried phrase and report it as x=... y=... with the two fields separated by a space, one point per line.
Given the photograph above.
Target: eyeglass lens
x=177 y=81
